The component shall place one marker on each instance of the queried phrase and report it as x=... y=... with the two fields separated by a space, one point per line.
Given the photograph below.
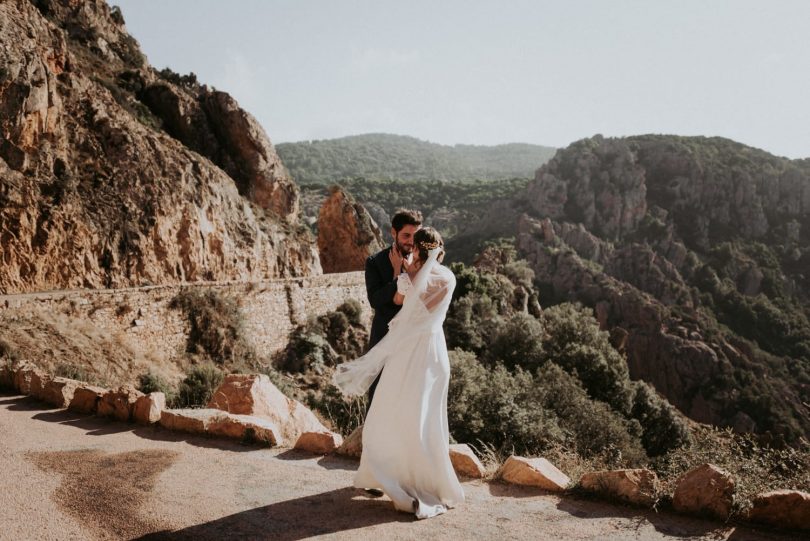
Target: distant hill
x=397 y=157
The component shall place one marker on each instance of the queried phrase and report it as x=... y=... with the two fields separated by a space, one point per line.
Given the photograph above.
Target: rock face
x=249 y=394
x=705 y=490
x=638 y=487
x=669 y=239
x=86 y=398
x=59 y=391
x=347 y=234
x=100 y=186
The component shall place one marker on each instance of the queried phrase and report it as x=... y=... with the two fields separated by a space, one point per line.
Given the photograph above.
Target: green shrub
x=519 y=342
x=217 y=325
x=574 y=342
x=664 y=428
x=198 y=386
x=154 y=383
x=344 y=413
x=353 y=310
x=592 y=426
x=493 y=406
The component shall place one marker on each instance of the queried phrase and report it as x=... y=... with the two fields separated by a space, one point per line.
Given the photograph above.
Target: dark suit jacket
x=381 y=285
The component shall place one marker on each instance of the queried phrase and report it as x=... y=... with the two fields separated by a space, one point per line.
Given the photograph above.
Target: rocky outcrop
x=119 y=403
x=94 y=193
x=347 y=234
x=86 y=398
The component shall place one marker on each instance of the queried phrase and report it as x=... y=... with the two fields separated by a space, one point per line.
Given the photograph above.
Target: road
x=71 y=476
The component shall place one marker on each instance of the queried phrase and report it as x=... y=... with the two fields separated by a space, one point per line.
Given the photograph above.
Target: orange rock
x=6 y=377
x=119 y=403
x=638 y=486
x=254 y=394
x=705 y=490
x=147 y=409
x=86 y=398
x=28 y=379
x=353 y=444
x=242 y=427
x=537 y=472
x=783 y=508
x=194 y=421
x=322 y=442
x=59 y=391
x=465 y=462
x=347 y=234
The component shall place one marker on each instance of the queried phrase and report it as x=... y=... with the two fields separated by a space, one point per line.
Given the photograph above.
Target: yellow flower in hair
x=429 y=245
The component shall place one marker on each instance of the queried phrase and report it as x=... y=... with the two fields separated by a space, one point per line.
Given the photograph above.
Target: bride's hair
x=426 y=239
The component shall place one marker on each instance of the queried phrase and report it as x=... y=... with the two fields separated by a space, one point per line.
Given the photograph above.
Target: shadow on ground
x=300 y=518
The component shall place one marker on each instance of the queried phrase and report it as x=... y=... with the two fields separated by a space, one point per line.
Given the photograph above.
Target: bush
x=593 y=427
x=153 y=383
x=353 y=310
x=8 y=351
x=518 y=343
x=493 y=406
x=345 y=414
x=664 y=428
x=198 y=387
x=574 y=342
x=217 y=325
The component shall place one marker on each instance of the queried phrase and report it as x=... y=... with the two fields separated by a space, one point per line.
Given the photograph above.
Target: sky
x=491 y=72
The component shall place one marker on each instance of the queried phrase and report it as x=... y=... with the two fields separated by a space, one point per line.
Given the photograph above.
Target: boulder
x=254 y=394
x=465 y=462
x=59 y=391
x=86 y=398
x=637 y=487
x=119 y=403
x=537 y=472
x=195 y=421
x=147 y=409
x=353 y=444
x=28 y=379
x=705 y=490
x=323 y=442
x=347 y=234
x=783 y=508
x=242 y=427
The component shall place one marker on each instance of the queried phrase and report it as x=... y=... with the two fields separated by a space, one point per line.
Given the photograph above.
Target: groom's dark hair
x=403 y=217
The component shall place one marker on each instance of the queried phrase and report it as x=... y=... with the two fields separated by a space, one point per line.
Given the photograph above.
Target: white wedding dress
x=405 y=436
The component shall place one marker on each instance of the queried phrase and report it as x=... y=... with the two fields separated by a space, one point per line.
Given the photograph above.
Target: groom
x=382 y=270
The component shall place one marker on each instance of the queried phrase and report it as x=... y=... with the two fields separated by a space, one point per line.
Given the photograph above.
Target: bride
x=405 y=437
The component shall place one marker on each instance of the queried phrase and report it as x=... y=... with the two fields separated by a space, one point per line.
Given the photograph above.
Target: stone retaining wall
x=271 y=309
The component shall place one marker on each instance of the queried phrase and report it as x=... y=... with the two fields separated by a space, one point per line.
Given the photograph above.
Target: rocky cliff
x=347 y=234
x=112 y=174
x=694 y=252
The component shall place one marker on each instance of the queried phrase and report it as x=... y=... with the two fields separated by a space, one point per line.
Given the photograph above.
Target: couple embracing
x=406 y=373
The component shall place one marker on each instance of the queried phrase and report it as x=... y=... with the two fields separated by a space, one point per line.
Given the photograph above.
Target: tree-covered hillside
x=388 y=157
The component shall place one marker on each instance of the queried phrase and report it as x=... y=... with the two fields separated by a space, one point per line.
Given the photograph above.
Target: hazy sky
x=481 y=72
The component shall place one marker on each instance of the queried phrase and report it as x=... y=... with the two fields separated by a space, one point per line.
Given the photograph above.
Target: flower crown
x=429 y=245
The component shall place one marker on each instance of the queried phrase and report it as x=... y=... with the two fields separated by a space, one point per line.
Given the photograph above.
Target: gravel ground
x=70 y=476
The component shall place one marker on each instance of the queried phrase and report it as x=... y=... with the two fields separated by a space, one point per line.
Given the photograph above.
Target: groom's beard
x=405 y=251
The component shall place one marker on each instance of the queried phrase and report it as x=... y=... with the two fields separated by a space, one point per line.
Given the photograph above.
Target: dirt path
x=68 y=476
